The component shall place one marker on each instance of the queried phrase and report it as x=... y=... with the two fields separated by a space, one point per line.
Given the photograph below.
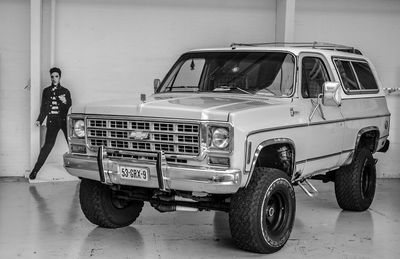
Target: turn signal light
x=221 y=161
x=78 y=149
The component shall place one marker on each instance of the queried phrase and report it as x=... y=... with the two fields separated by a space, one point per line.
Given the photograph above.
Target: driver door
x=326 y=125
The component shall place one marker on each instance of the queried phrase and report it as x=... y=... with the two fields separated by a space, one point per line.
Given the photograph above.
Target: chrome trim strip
x=364 y=130
x=269 y=142
x=248 y=153
x=322 y=157
x=349 y=158
x=316 y=123
x=367 y=117
x=139 y=118
x=326 y=122
x=349 y=98
x=277 y=128
x=300 y=162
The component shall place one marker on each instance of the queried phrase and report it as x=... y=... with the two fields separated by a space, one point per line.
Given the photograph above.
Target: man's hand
x=37 y=123
x=62 y=98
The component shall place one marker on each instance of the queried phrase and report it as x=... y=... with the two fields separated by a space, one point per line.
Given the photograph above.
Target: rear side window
x=356 y=76
x=365 y=76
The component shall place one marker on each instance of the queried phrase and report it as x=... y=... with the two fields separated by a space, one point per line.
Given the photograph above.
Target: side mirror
x=332 y=96
x=156 y=84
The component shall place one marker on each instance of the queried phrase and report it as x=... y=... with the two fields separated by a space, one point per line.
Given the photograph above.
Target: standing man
x=56 y=101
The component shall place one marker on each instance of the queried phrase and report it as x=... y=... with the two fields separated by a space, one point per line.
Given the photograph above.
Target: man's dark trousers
x=54 y=124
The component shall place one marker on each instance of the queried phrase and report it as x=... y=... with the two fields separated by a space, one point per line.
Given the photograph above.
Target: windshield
x=261 y=73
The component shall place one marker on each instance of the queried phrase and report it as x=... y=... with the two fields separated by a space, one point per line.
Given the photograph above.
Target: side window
x=356 y=76
x=314 y=75
x=346 y=74
x=365 y=76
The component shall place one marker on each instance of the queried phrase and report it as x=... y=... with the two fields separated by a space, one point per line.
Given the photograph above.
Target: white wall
x=114 y=49
x=14 y=76
x=371 y=25
x=111 y=48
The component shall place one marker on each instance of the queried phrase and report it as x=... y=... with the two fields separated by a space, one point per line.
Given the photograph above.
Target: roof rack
x=314 y=45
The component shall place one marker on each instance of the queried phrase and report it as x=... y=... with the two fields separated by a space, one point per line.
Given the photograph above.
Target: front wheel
x=261 y=216
x=103 y=208
x=355 y=183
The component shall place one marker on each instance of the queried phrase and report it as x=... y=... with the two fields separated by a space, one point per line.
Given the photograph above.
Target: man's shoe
x=32 y=175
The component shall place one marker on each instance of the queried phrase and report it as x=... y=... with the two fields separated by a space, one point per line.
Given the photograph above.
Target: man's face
x=55 y=78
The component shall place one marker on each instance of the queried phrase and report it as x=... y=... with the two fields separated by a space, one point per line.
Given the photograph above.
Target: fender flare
x=365 y=130
x=265 y=144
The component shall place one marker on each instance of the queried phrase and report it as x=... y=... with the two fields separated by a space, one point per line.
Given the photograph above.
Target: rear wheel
x=355 y=183
x=101 y=206
x=261 y=216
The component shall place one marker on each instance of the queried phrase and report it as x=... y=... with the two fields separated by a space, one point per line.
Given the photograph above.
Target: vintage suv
x=234 y=129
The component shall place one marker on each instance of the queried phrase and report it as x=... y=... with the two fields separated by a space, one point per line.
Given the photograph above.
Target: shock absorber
x=285 y=156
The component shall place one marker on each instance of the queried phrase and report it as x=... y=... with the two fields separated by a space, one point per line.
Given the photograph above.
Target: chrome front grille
x=144 y=136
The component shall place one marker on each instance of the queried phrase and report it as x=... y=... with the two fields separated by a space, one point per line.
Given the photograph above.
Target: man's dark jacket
x=46 y=102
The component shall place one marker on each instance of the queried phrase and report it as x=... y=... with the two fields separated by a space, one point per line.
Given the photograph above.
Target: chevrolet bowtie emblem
x=139 y=135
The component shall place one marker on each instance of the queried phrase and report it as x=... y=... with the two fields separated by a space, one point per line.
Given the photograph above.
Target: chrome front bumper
x=183 y=178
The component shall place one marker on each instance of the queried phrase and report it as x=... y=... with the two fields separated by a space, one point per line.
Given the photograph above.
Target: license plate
x=134 y=173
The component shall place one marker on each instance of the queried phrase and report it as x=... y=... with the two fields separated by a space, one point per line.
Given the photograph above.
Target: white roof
x=295 y=50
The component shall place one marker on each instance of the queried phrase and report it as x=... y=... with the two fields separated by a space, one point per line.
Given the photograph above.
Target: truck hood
x=190 y=107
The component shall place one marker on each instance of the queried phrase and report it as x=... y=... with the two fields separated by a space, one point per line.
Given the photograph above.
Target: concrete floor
x=44 y=220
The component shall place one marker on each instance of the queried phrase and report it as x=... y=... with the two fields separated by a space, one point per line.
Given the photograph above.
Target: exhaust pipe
x=171 y=208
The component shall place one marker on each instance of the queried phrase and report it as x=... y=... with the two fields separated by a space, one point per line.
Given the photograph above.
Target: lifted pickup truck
x=235 y=129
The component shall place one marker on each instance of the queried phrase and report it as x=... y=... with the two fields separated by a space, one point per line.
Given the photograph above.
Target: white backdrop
x=371 y=25
x=108 y=49
x=114 y=49
x=14 y=76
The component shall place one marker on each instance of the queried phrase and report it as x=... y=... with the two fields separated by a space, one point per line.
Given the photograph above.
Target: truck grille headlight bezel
x=79 y=128
x=220 y=138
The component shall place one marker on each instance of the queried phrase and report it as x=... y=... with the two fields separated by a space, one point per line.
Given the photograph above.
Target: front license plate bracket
x=134 y=173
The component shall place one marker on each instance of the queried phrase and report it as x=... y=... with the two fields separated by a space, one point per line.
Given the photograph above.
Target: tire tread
x=348 y=183
x=244 y=206
x=92 y=204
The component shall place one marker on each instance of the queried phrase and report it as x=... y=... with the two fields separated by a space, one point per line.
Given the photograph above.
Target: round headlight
x=220 y=138
x=79 y=128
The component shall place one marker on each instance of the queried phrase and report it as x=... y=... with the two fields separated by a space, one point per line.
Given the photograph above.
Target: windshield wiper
x=223 y=88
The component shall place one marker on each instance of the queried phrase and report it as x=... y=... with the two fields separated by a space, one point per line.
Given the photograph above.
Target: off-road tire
x=261 y=215
x=355 y=183
x=102 y=209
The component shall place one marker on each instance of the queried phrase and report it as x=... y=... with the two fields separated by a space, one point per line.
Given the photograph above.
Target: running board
x=312 y=192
